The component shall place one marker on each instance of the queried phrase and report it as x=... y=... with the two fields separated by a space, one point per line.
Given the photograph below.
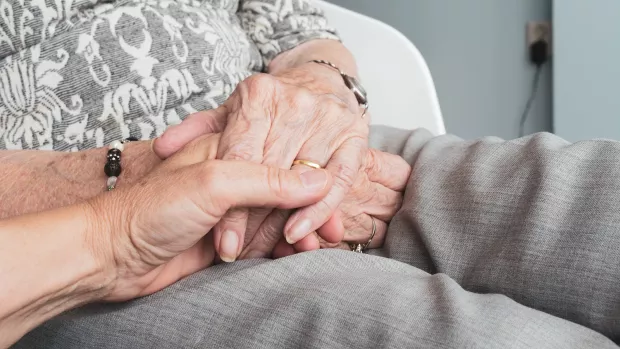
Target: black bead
x=131 y=139
x=112 y=169
x=114 y=151
x=114 y=155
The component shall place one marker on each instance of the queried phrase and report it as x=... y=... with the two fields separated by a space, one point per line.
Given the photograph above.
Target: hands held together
x=267 y=123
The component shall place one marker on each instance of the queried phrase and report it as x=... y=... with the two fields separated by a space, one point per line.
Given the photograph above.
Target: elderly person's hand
x=160 y=225
x=305 y=112
x=376 y=195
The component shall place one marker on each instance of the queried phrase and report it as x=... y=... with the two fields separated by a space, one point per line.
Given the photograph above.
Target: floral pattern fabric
x=78 y=74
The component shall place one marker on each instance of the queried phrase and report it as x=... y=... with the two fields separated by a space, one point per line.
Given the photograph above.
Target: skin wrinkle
x=55 y=179
x=310 y=108
x=62 y=172
x=291 y=123
x=312 y=83
x=280 y=98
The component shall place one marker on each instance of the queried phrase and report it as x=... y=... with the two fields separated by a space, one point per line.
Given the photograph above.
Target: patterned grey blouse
x=77 y=74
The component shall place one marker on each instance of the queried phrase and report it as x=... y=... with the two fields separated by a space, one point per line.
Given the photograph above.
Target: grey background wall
x=587 y=69
x=477 y=55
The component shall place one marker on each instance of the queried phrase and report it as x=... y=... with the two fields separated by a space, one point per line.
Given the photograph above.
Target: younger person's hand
x=156 y=231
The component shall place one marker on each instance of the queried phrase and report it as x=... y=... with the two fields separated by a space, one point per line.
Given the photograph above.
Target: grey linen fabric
x=499 y=245
x=536 y=219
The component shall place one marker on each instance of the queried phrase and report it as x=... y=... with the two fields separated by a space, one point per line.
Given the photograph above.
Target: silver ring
x=360 y=248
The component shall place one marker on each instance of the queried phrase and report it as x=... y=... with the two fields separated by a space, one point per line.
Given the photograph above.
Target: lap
x=536 y=219
x=333 y=299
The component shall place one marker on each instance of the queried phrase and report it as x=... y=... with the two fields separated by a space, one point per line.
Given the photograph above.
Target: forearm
x=34 y=181
x=47 y=266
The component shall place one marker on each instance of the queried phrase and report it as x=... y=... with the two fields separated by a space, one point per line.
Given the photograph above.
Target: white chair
x=399 y=84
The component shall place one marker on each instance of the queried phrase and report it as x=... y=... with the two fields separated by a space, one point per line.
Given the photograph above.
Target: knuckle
x=349 y=222
x=259 y=214
x=208 y=175
x=303 y=99
x=334 y=106
x=396 y=205
x=371 y=195
x=191 y=147
x=381 y=199
x=259 y=87
x=213 y=142
x=239 y=155
x=345 y=174
x=276 y=181
x=211 y=180
x=242 y=149
x=206 y=144
x=271 y=230
x=382 y=162
x=235 y=217
x=322 y=208
x=360 y=143
x=371 y=159
x=209 y=184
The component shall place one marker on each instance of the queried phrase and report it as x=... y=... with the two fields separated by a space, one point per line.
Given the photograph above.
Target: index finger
x=344 y=165
x=194 y=126
x=243 y=139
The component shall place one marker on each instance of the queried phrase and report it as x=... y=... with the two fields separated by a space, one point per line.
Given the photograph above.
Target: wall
x=587 y=69
x=477 y=54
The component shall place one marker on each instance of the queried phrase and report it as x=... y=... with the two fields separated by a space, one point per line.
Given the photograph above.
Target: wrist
x=331 y=50
x=99 y=243
x=318 y=78
x=137 y=160
x=85 y=169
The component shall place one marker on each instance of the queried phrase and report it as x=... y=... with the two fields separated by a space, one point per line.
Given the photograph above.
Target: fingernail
x=229 y=245
x=299 y=230
x=315 y=179
x=153 y=144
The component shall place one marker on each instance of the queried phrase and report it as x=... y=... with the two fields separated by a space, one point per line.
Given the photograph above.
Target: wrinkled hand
x=302 y=113
x=377 y=193
x=158 y=227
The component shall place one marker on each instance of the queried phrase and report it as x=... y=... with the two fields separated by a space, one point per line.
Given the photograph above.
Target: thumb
x=232 y=184
x=195 y=125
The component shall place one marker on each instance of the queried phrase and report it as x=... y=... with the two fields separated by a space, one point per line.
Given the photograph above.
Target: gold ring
x=307 y=163
x=360 y=248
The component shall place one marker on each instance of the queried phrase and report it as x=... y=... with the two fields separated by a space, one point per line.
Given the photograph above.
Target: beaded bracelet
x=112 y=167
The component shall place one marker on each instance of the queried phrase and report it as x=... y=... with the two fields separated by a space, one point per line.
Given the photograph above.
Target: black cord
x=530 y=101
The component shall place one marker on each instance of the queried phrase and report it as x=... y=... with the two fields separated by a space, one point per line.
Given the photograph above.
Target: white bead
x=117 y=145
x=112 y=182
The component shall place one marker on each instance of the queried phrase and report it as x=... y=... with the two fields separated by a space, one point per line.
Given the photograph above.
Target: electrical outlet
x=537 y=30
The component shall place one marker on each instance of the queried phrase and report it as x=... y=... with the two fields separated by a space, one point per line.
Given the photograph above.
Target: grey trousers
x=499 y=244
